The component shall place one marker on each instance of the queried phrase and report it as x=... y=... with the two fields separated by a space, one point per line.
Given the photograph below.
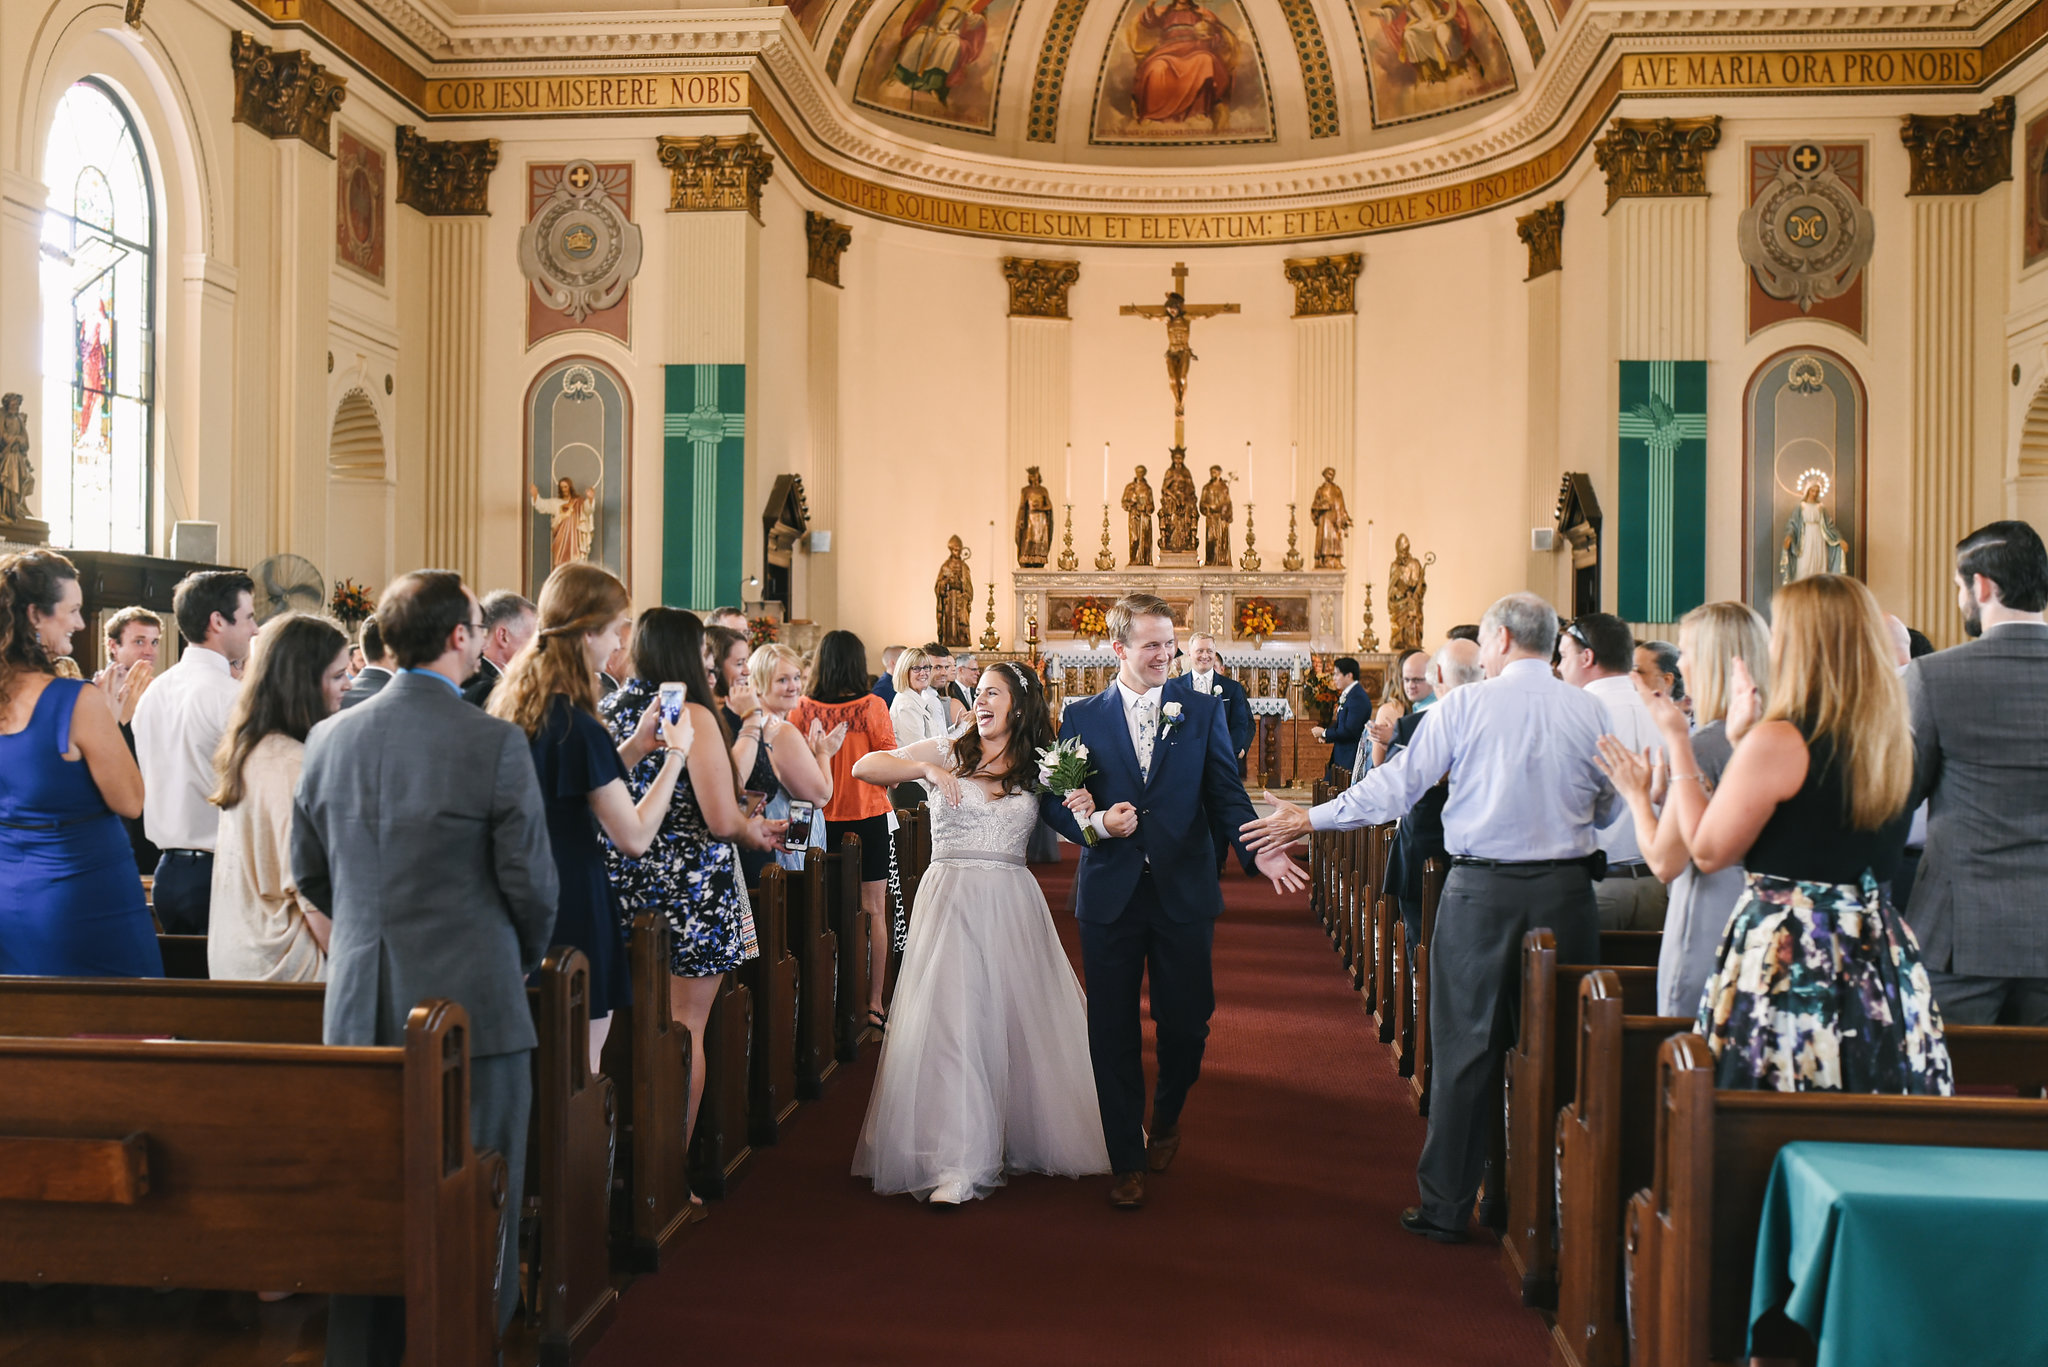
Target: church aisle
x=1272 y=1240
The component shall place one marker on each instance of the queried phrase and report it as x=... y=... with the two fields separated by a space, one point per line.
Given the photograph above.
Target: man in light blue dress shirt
x=1522 y=828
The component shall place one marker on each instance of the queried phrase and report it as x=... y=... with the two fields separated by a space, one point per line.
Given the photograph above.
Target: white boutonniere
x=1171 y=713
x=1215 y=690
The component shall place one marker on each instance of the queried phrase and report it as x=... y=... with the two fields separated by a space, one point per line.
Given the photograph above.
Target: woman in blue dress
x=70 y=898
x=550 y=692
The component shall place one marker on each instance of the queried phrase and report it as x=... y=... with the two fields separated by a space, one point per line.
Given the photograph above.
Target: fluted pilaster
x=1660 y=279
x=1325 y=436
x=1944 y=416
x=454 y=404
x=821 y=594
x=21 y=220
x=1041 y=368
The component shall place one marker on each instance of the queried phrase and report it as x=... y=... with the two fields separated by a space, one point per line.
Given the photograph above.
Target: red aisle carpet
x=1272 y=1240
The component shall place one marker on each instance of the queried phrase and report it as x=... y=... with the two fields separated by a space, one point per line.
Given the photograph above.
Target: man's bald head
x=1456 y=664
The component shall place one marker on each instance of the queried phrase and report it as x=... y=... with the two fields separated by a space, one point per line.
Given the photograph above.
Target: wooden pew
x=1631 y=948
x=574 y=1111
x=771 y=979
x=850 y=925
x=1691 y=1240
x=1319 y=859
x=1384 y=915
x=719 y=1151
x=1541 y=1068
x=816 y=950
x=648 y=1053
x=184 y=955
x=137 y=1164
x=1433 y=873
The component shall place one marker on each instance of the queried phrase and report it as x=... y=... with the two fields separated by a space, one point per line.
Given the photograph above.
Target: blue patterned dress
x=689 y=875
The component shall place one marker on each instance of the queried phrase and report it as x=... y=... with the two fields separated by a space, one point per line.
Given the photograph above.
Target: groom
x=1148 y=891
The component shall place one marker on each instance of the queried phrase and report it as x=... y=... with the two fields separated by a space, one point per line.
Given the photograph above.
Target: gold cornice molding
x=1543 y=233
x=1038 y=289
x=444 y=179
x=1959 y=154
x=827 y=240
x=712 y=174
x=284 y=94
x=1657 y=158
x=1325 y=286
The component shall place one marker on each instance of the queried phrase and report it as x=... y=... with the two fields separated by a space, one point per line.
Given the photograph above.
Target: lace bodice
x=980 y=824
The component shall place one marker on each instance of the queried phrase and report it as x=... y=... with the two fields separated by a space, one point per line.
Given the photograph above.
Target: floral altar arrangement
x=761 y=631
x=1257 y=619
x=1091 y=619
x=1318 y=696
x=351 y=604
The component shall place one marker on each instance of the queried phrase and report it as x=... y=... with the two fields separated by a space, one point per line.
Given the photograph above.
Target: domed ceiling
x=1204 y=81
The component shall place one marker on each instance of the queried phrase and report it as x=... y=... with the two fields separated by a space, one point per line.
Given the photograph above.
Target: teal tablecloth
x=1903 y=1254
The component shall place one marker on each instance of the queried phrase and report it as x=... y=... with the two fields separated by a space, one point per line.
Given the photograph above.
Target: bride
x=984 y=1068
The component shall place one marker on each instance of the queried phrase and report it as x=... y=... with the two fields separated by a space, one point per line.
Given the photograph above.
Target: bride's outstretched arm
x=912 y=763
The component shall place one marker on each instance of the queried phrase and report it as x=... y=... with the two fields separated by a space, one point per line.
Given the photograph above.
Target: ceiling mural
x=939 y=61
x=809 y=16
x=1182 y=73
x=1429 y=57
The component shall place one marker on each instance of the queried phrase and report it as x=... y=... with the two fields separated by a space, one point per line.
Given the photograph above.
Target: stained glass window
x=99 y=299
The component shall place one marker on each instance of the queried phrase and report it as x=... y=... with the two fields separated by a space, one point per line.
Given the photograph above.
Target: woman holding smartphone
x=792 y=768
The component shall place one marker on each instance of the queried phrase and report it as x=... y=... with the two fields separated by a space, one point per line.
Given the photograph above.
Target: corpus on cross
x=1179 y=315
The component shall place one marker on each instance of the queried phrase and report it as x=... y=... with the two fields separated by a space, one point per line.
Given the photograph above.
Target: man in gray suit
x=1980 y=743
x=419 y=827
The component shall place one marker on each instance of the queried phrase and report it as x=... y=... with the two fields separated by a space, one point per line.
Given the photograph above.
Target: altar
x=1307 y=605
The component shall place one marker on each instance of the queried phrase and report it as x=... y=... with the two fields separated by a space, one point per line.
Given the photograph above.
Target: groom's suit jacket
x=1194 y=774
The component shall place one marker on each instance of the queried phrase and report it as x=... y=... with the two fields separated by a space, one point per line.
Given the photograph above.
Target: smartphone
x=799 y=835
x=753 y=801
x=673 y=697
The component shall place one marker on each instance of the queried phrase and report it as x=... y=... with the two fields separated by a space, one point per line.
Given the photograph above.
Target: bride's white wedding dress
x=984 y=1067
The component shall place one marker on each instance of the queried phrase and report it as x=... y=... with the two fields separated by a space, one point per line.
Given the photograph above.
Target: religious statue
x=1216 y=508
x=1813 y=544
x=17 y=476
x=1332 y=521
x=1180 y=517
x=955 y=590
x=1034 y=523
x=1138 y=503
x=1180 y=355
x=1405 y=588
x=572 y=520
x=1186 y=59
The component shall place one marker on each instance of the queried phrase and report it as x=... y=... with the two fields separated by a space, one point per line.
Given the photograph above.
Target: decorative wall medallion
x=2034 y=232
x=1805 y=236
x=284 y=94
x=445 y=178
x=1656 y=158
x=1959 y=154
x=1543 y=232
x=712 y=174
x=827 y=239
x=1038 y=289
x=579 y=248
x=359 y=205
x=1325 y=286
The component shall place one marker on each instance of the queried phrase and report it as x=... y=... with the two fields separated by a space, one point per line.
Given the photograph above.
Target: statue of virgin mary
x=1813 y=544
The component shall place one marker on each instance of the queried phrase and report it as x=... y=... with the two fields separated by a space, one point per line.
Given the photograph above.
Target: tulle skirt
x=984 y=1067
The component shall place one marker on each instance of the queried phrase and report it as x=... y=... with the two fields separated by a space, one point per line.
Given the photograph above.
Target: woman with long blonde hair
x=1818 y=984
x=550 y=691
x=1711 y=638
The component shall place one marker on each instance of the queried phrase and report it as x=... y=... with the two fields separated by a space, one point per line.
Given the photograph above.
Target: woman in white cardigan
x=914 y=712
x=261 y=929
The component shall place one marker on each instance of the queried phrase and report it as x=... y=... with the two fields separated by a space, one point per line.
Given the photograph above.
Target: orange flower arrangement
x=1090 y=618
x=1257 y=618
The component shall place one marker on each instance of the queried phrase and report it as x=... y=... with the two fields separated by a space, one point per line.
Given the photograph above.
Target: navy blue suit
x=1237 y=711
x=1150 y=900
x=1353 y=712
x=885 y=688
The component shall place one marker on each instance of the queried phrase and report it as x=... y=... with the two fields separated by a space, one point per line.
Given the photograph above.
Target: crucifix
x=1179 y=315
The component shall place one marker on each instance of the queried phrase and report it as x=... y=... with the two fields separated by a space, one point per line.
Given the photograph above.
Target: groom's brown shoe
x=1129 y=1191
x=1159 y=1153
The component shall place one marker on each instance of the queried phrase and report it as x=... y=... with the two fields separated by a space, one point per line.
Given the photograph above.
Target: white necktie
x=1147 y=713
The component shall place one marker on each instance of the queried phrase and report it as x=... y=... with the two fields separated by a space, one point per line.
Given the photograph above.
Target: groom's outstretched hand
x=1287 y=876
x=1286 y=824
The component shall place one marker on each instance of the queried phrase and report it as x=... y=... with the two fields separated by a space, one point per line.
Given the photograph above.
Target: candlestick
x=1104 y=559
x=1292 y=560
x=1249 y=561
x=989 y=639
x=1368 y=640
x=1068 y=560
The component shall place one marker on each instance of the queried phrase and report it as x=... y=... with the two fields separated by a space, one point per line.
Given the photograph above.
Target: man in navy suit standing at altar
x=1354 y=710
x=1146 y=894
x=1206 y=679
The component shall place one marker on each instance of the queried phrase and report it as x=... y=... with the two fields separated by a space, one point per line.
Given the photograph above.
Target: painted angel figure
x=572 y=520
x=1813 y=544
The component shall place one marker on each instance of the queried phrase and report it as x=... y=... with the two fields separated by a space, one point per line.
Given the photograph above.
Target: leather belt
x=1630 y=871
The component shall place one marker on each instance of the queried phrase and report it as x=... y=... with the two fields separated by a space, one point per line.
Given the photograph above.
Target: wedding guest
x=1464 y=632
x=966 y=678
x=508 y=626
x=614 y=666
x=774 y=758
x=1819 y=985
x=263 y=928
x=727 y=652
x=947 y=710
x=133 y=635
x=839 y=696
x=455 y=900
x=379 y=666
x=550 y=693
x=70 y=899
x=1354 y=708
x=178 y=726
x=690 y=873
x=1980 y=734
x=727 y=618
x=1597 y=653
x=1657 y=666
x=1711 y=638
x=1408 y=692
x=885 y=686
x=1205 y=678
x=913 y=716
x=1420 y=836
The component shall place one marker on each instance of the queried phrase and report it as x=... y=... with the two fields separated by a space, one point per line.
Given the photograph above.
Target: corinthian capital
x=1325 y=285
x=1657 y=158
x=284 y=94
x=1959 y=154
x=709 y=174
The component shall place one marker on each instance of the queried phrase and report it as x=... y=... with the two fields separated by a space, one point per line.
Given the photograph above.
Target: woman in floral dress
x=691 y=873
x=1819 y=984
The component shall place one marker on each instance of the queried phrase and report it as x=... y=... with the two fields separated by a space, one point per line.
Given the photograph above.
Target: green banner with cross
x=1661 y=542
x=704 y=468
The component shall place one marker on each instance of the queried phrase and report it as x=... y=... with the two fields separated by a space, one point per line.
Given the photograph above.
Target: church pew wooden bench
x=248 y=1166
x=1631 y=948
x=1384 y=913
x=849 y=924
x=816 y=950
x=647 y=1053
x=569 y=1167
x=1411 y=995
x=1542 y=1067
x=1319 y=858
x=720 y=1151
x=1692 y=1233
x=771 y=979
x=184 y=955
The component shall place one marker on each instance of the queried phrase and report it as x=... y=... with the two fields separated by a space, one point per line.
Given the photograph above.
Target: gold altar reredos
x=728 y=69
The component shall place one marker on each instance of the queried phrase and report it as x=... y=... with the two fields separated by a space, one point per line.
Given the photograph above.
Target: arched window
x=99 y=326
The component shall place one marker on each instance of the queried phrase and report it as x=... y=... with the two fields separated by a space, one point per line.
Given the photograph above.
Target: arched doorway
x=2030 y=482
x=359 y=495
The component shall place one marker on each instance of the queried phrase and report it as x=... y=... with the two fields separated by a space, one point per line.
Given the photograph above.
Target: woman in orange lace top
x=839 y=693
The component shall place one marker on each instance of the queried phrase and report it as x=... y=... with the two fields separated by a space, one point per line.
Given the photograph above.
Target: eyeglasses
x=920 y=669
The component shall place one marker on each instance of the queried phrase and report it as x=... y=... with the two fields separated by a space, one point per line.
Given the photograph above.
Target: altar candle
x=1105 y=474
x=1251 y=478
x=1070 y=474
x=1293 y=473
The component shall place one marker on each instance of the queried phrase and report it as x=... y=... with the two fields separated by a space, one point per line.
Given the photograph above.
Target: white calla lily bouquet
x=1064 y=767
